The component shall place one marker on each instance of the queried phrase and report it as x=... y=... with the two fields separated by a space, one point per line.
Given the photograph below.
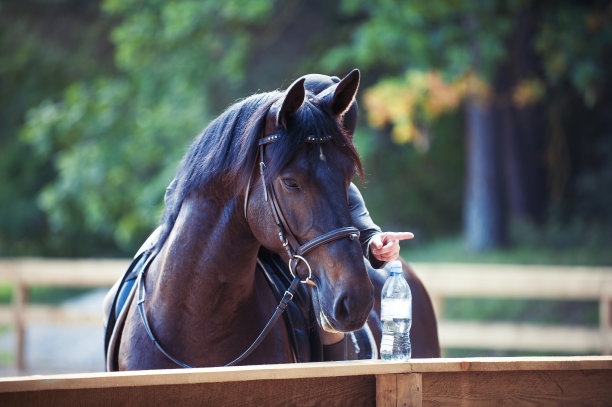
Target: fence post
x=402 y=389
x=20 y=299
x=605 y=317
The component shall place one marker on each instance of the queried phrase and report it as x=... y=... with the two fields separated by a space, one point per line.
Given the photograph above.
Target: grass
x=6 y=358
x=6 y=293
x=541 y=312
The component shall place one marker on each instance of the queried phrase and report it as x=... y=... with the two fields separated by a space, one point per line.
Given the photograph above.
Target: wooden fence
x=576 y=381
x=525 y=282
x=442 y=281
x=25 y=273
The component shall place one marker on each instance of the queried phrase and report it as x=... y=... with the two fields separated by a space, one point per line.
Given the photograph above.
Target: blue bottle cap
x=396 y=266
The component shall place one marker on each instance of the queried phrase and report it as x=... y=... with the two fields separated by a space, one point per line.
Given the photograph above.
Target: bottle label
x=395 y=309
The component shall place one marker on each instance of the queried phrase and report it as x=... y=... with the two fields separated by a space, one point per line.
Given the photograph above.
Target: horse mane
x=221 y=159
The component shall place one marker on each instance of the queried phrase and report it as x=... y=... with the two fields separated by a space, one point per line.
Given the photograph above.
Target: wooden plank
x=298 y=371
x=8 y=271
x=329 y=391
x=7 y=315
x=386 y=390
x=410 y=390
x=515 y=388
x=605 y=317
x=50 y=314
x=477 y=381
x=492 y=335
x=20 y=299
x=200 y=375
x=394 y=390
x=512 y=281
x=444 y=279
x=67 y=272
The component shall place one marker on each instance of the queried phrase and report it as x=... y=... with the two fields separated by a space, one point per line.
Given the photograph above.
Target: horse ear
x=293 y=101
x=345 y=92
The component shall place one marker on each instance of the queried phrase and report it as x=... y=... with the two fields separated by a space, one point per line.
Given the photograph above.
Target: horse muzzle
x=348 y=312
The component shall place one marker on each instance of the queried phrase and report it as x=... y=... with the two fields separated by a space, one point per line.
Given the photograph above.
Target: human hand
x=385 y=246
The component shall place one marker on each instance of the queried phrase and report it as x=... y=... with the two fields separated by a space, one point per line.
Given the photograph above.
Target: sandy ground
x=52 y=349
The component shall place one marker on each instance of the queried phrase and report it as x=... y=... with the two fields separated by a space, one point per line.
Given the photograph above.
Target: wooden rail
x=441 y=279
x=575 y=381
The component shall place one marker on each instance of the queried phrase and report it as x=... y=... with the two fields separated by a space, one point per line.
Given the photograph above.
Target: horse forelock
x=313 y=118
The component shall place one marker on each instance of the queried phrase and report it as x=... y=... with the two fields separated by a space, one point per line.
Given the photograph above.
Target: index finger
x=399 y=235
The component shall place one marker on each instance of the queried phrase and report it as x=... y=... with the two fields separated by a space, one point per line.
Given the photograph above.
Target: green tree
x=110 y=123
x=522 y=54
x=116 y=139
x=45 y=47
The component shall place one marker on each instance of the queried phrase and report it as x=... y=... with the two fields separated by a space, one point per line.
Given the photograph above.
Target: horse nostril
x=351 y=311
x=341 y=308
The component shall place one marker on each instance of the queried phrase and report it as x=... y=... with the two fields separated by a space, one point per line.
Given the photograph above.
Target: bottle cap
x=396 y=266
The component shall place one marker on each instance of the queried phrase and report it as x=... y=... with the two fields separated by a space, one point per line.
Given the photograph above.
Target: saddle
x=299 y=315
x=124 y=294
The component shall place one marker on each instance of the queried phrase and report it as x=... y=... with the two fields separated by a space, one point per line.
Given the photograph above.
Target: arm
x=377 y=246
x=365 y=224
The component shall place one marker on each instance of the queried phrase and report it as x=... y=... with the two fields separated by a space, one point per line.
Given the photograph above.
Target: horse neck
x=208 y=259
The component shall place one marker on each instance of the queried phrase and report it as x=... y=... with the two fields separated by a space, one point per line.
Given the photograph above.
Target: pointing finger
x=398 y=235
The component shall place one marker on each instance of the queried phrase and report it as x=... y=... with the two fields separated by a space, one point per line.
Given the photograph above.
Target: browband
x=310 y=139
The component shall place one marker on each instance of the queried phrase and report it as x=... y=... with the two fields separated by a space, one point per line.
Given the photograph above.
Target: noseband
x=294 y=249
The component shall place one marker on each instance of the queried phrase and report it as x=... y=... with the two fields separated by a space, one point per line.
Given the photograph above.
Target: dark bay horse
x=273 y=165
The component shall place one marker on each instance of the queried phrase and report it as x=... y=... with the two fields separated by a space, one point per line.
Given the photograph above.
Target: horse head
x=307 y=161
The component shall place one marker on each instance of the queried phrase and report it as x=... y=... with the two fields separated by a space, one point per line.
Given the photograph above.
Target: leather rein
x=294 y=249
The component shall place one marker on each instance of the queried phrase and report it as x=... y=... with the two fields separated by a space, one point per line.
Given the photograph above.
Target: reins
x=294 y=249
x=280 y=308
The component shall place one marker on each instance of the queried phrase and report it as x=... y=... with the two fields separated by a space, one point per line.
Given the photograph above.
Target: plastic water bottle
x=396 y=316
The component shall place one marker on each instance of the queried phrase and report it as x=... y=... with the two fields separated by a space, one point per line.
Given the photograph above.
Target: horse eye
x=290 y=183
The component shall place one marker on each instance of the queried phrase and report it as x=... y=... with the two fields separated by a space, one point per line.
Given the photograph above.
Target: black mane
x=220 y=160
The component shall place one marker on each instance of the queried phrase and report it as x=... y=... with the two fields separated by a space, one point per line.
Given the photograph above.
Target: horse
x=270 y=173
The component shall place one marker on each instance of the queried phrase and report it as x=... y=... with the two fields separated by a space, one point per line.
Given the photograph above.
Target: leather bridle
x=291 y=244
x=294 y=249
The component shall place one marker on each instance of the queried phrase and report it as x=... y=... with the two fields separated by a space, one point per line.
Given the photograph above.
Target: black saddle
x=118 y=311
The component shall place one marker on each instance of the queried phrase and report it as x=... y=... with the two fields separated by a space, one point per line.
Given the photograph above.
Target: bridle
x=291 y=244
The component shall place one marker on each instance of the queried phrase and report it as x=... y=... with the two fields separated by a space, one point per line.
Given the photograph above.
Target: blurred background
x=485 y=129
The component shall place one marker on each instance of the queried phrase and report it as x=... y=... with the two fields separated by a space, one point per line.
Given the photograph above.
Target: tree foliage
x=515 y=57
x=98 y=114
x=42 y=53
x=111 y=142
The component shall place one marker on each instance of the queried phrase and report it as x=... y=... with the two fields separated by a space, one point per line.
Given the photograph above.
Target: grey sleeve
x=362 y=221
